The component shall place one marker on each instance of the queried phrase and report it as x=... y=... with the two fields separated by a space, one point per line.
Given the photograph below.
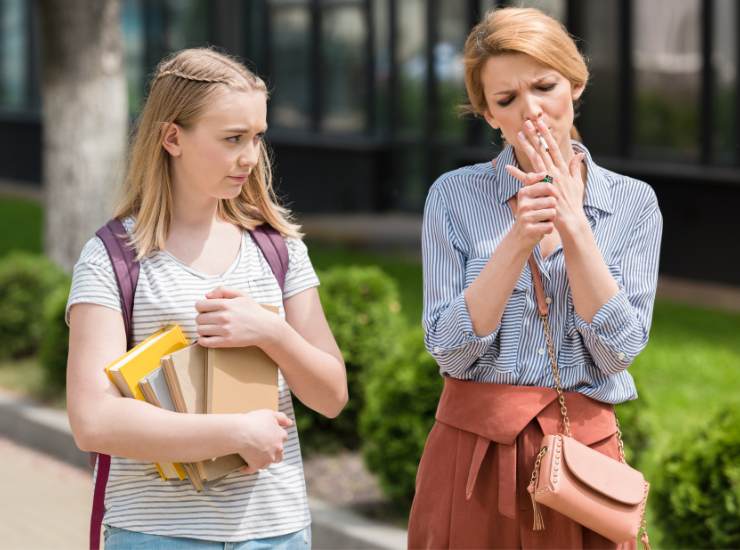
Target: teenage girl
x=198 y=179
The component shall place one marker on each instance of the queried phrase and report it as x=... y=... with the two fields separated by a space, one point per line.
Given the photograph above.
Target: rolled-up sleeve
x=449 y=334
x=619 y=331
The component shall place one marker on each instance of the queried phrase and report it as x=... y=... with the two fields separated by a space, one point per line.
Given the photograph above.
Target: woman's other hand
x=229 y=318
x=263 y=438
x=536 y=207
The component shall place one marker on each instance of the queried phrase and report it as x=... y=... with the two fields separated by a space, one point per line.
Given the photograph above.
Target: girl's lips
x=238 y=178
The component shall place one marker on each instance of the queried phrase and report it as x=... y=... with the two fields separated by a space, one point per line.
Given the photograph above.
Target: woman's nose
x=532 y=110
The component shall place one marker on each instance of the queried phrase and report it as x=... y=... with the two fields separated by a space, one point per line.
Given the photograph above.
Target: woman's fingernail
x=520 y=135
x=529 y=125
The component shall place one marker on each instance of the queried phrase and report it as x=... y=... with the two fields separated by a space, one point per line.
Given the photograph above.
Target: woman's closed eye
x=541 y=87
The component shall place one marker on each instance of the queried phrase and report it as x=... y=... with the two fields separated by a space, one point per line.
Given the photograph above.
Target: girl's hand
x=535 y=208
x=264 y=436
x=568 y=185
x=229 y=318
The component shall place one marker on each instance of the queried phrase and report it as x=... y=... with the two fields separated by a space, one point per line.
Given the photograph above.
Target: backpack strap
x=273 y=247
x=126 y=268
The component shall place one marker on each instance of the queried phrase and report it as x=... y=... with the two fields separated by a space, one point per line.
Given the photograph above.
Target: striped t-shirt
x=239 y=507
x=467 y=216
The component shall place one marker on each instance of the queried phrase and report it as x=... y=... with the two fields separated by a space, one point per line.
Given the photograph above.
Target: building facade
x=364 y=95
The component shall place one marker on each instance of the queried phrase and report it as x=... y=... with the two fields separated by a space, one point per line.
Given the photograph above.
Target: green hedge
x=636 y=428
x=55 y=341
x=696 y=494
x=401 y=398
x=362 y=307
x=25 y=282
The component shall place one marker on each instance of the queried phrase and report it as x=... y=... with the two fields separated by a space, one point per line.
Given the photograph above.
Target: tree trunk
x=84 y=120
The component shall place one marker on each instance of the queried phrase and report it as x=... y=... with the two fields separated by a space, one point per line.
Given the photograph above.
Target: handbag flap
x=609 y=477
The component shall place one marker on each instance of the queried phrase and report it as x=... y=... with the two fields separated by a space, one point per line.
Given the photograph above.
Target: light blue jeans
x=122 y=539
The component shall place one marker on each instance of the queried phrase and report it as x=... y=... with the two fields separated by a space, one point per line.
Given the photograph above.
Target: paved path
x=44 y=503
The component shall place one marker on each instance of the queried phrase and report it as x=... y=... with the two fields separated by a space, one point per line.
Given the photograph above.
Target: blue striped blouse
x=466 y=216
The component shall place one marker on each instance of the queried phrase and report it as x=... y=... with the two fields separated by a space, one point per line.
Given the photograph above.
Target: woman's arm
x=461 y=323
x=103 y=421
x=302 y=344
x=613 y=321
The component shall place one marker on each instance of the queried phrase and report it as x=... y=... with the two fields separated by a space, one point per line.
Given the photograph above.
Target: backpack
x=126 y=269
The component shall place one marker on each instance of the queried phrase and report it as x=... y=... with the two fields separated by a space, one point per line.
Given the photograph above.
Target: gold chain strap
x=559 y=389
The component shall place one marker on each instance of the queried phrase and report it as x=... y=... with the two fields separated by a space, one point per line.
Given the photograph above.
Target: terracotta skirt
x=471 y=486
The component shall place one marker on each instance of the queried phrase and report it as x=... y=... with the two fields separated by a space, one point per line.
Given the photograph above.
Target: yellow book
x=126 y=372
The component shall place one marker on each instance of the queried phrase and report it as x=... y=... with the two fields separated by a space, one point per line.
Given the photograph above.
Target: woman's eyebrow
x=534 y=81
x=240 y=130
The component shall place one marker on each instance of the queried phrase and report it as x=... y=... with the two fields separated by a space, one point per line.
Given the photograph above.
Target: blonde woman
x=594 y=239
x=198 y=179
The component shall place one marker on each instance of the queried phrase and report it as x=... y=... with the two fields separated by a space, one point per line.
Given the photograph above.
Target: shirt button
x=621 y=356
x=548 y=300
x=541 y=351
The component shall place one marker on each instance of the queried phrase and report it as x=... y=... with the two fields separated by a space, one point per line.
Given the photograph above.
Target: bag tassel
x=539 y=523
x=645 y=541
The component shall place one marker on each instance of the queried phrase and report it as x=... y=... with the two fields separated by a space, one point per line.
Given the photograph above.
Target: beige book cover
x=237 y=380
x=240 y=380
x=185 y=372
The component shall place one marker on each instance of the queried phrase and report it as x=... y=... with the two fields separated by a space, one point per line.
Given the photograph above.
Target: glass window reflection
x=290 y=78
x=448 y=66
x=412 y=66
x=667 y=66
x=343 y=57
x=13 y=55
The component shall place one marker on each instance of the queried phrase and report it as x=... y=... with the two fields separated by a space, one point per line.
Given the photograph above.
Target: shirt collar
x=597 y=186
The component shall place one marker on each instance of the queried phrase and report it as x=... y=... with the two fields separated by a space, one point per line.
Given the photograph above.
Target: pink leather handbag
x=605 y=495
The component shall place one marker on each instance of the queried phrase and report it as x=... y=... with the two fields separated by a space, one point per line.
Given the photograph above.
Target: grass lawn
x=20 y=225
x=687 y=373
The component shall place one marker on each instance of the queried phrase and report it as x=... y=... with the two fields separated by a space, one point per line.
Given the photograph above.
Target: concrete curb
x=48 y=431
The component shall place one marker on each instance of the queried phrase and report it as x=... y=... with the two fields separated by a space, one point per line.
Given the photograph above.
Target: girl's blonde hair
x=520 y=30
x=180 y=90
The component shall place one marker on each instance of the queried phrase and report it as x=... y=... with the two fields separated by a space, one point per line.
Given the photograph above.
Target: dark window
x=598 y=122
x=725 y=63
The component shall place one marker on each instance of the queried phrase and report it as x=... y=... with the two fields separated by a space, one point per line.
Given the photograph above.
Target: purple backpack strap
x=126 y=268
x=273 y=247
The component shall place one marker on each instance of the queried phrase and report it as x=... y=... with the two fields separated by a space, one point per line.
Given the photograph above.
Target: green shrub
x=636 y=429
x=362 y=307
x=25 y=281
x=696 y=494
x=55 y=341
x=401 y=398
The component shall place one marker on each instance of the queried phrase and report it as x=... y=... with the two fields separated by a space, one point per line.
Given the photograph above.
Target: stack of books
x=168 y=372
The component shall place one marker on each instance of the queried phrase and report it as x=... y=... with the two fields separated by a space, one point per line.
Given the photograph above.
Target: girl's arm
x=302 y=344
x=103 y=421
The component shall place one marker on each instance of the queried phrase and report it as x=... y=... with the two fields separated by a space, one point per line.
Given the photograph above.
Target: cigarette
x=543 y=143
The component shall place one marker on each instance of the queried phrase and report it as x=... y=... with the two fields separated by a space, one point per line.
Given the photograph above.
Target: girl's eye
x=505 y=102
x=259 y=137
x=234 y=139
x=546 y=87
